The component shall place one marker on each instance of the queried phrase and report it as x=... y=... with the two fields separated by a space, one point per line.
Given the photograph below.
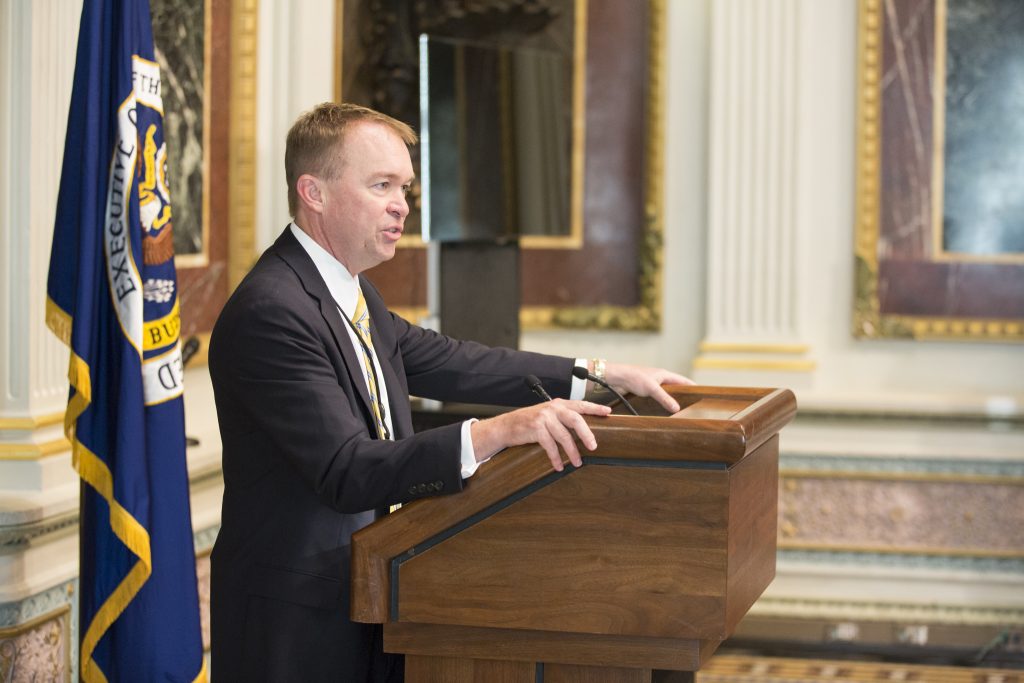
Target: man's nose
x=399 y=208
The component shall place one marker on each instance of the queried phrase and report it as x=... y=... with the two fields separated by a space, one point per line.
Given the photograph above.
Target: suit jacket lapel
x=289 y=249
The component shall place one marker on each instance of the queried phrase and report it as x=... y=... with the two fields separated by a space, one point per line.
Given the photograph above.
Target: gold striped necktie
x=361 y=323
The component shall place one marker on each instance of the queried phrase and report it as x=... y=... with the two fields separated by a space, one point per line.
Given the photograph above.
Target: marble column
x=753 y=302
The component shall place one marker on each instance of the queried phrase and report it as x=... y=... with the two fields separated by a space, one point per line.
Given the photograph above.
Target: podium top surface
x=714 y=425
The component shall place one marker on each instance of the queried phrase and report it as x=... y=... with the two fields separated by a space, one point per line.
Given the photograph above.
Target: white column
x=38 y=39
x=753 y=300
x=38 y=488
x=295 y=72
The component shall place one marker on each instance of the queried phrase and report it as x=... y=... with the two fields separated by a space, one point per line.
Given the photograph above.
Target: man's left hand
x=644 y=381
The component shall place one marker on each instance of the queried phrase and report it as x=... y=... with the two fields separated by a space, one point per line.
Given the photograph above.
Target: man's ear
x=310 y=192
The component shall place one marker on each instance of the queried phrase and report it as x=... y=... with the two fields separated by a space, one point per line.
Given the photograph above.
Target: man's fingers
x=562 y=422
x=665 y=399
x=558 y=427
x=564 y=438
x=551 y=448
x=574 y=420
x=583 y=431
x=644 y=381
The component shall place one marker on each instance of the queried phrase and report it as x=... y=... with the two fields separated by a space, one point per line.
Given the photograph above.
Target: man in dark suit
x=312 y=375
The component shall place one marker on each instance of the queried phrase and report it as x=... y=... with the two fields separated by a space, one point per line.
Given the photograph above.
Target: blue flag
x=112 y=297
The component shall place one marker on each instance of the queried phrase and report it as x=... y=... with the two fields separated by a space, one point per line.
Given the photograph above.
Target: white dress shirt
x=344 y=287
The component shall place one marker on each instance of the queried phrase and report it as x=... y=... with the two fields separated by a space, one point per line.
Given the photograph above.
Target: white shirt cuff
x=469 y=463
x=468 y=455
x=579 y=386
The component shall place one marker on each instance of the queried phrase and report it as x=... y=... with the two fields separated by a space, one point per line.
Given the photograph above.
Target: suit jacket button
x=412 y=490
x=422 y=488
x=438 y=485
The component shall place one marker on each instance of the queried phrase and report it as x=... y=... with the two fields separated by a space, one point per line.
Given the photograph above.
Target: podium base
x=437 y=653
x=422 y=669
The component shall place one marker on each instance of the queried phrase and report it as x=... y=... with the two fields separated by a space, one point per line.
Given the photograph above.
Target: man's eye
x=383 y=185
x=406 y=189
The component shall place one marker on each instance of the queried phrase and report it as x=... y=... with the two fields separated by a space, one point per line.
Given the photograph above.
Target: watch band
x=599 y=367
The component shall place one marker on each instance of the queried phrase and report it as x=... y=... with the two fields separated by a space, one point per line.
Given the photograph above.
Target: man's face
x=365 y=208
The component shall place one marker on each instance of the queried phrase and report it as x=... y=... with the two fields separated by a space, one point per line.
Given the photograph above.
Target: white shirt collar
x=342 y=285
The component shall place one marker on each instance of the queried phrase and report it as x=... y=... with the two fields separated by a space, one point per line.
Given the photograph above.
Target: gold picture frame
x=917 y=291
x=643 y=239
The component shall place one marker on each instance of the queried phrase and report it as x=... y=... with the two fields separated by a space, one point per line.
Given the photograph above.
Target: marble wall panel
x=37 y=651
x=38 y=636
x=983 y=197
x=915 y=515
x=908 y=59
x=179 y=35
x=203 y=282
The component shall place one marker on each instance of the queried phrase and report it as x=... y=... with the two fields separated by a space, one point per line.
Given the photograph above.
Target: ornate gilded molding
x=866 y=316
x=945 y=328
x=242 y=162
x=644 y=317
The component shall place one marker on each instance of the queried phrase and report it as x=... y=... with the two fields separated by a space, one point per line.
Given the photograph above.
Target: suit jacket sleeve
x=283 y=392
x=446 y=369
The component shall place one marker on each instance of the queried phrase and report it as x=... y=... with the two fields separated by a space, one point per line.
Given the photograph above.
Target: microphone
x=188 y=349
x=581 y=373
x=536 y=387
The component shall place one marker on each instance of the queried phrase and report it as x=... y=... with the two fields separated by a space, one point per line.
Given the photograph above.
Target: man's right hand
x=550 y=424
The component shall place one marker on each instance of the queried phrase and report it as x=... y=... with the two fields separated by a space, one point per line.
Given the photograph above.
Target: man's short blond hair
x=315 y=142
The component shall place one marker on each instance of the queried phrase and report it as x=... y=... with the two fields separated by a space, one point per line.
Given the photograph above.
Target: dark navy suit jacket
x=303 y=468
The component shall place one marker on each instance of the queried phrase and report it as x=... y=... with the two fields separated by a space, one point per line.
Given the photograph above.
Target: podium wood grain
x=644 y=558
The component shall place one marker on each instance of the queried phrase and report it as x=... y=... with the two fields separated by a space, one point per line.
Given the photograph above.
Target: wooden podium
x=642 y=560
